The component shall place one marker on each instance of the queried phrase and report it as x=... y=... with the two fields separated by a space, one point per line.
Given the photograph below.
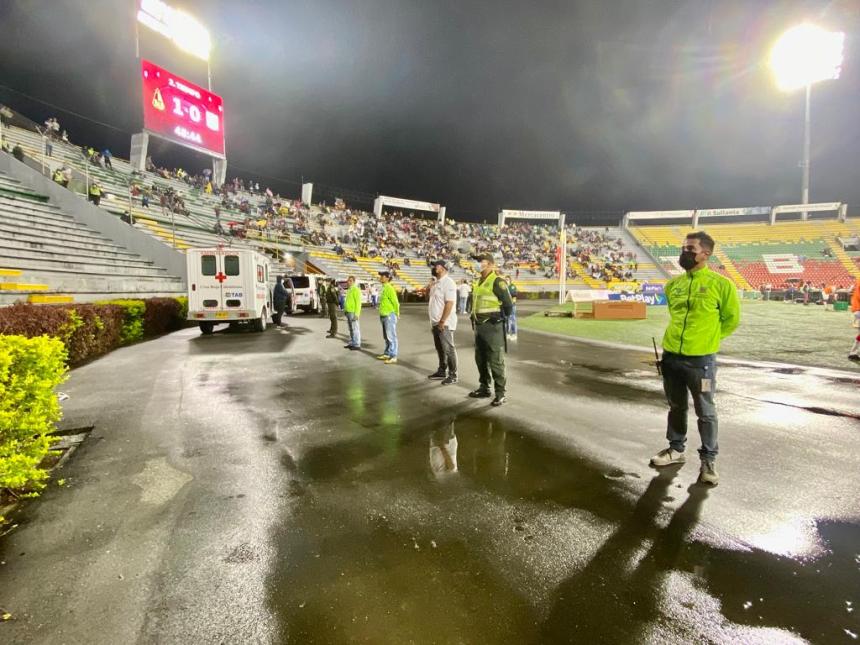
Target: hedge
x=30 y=369
x=92 y=330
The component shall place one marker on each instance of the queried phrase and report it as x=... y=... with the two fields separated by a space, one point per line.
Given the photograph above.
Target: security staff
x=321 y=297
x=491 y=305
x=331 y=298
x=703 y=309
x=95 y=193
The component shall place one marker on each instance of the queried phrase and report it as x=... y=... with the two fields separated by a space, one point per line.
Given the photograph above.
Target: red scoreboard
x=181 y=111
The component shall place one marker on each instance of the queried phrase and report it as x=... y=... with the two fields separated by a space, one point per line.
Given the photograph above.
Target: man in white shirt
x=442 y=300
x=463 y=291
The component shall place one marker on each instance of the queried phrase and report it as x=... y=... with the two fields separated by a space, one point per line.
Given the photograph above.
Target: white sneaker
x=708 y=474
x=667 y=457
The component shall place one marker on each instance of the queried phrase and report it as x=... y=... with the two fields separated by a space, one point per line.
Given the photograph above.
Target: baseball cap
x=440 y=263
x=385 y=274
x=484 y=256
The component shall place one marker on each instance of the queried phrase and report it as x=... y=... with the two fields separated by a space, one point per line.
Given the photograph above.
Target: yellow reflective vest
x=484 y=301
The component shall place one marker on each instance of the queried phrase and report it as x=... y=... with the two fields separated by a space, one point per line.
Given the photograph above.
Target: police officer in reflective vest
x=491 y=305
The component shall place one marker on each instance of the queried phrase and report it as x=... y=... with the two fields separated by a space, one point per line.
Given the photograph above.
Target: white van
x=307 y=299
x=228 y=285
x=343 y=285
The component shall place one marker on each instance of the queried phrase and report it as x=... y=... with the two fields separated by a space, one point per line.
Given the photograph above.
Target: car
x=307 y=297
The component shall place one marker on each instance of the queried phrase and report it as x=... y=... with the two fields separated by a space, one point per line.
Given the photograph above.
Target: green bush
x=132 y=324
x=30 y=369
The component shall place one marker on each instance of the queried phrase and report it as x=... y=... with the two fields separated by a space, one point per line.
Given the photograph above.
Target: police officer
x=491 y=305
x=95 y=193
x=321 y=297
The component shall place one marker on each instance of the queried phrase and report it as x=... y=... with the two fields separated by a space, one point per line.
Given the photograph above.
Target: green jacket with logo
x=352 y=303
x=703 y=309
x=388 y=302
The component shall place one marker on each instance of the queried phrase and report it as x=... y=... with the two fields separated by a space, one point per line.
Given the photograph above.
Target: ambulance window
x=231 y=264
x=260 y=273
x=207 y=264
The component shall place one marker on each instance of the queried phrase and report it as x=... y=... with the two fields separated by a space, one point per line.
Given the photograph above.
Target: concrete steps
x=844 y=259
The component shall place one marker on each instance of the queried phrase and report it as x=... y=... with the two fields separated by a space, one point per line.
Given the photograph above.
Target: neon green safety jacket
x=703 y=309
x=388 y=302
x=352 y=303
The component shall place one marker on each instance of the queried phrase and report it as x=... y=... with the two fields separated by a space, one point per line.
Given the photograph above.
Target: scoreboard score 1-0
x=181 y=111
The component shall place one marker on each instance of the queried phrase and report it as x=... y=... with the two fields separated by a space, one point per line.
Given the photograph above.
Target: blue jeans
x=698 y=375
x=354 y=330
x=512 y=322
x=389 y=334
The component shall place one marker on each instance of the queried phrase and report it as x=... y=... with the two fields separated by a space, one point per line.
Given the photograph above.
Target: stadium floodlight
x=804 y=55
x=183 y=29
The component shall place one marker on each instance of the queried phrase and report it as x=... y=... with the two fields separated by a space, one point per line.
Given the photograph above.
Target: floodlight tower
x=804 y=55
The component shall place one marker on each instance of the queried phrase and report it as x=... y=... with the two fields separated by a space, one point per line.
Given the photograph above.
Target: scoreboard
x=179 y=110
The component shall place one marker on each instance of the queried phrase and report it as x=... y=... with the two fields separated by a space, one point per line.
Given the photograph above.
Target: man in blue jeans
x=389 y=310
x=703 y=309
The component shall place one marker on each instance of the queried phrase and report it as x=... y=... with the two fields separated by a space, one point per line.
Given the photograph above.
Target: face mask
x=687 y=260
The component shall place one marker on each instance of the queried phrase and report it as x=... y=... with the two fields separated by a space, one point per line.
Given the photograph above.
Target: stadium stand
x=758 y=254
x=339 y=242
x=46 y=256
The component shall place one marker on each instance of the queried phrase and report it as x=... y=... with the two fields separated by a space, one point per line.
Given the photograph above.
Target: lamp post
x=804 y=55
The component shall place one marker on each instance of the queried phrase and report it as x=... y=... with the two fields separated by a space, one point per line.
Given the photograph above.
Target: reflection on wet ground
x=465 y=528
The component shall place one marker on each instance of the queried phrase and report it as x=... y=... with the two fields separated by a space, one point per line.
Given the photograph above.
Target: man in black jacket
x=279 y=300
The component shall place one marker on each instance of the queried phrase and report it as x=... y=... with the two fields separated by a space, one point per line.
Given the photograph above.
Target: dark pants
x=95 y=199
x=323 y=306
x=332 y=316
x=279 y=312
x=490 y=355
x=445 y=350
x=698 y=376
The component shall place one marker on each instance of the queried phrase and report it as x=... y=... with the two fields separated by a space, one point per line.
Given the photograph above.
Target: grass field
x=769 y=331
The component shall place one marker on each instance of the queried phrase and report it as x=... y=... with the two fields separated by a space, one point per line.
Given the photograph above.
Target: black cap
x=484 y=256
x=439 y=263
x=385 y=274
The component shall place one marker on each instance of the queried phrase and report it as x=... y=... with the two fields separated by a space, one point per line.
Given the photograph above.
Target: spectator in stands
x=95 y=193
x=18 y=152
x=57 y=176
x=65 y=137
x=107 y=156
x=697 y=324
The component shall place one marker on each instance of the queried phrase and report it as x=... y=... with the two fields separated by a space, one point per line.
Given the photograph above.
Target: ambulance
x=228 y=285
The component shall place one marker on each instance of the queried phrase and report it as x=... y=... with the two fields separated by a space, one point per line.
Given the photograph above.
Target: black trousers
x=445 y=350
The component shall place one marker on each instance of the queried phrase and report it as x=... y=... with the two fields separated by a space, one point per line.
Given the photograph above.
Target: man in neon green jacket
x=389 y=310
x=703 y=309
x=352 y=309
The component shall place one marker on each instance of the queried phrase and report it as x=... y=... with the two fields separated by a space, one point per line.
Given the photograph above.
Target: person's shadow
x=616 y=594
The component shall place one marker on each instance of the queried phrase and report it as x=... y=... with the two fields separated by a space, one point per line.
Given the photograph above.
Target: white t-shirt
x=464 y=290
x=442 y=291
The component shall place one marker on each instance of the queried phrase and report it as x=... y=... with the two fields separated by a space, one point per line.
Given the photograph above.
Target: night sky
x=579 y=106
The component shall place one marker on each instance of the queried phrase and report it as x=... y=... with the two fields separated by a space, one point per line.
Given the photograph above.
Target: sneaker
x=708 y=474
x=513 y=337
x=329 y=335
x=382 y=357
x=438 y=375
x=347 y=346
x=480 y=394
x=498 y=400
x=667 y=457
x=854 y=357
x=391 y=361
x=354 y=348
x=450 y=380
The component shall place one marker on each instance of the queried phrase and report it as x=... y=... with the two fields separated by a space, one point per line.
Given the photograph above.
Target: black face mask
x=687 y=260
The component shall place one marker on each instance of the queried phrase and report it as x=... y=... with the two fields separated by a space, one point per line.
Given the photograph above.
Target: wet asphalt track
x=276 y=488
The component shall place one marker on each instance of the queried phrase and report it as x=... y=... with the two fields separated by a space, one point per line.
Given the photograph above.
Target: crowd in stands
x=245 y=209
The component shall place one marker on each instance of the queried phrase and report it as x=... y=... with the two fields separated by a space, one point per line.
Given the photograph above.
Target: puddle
x=443 y=535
